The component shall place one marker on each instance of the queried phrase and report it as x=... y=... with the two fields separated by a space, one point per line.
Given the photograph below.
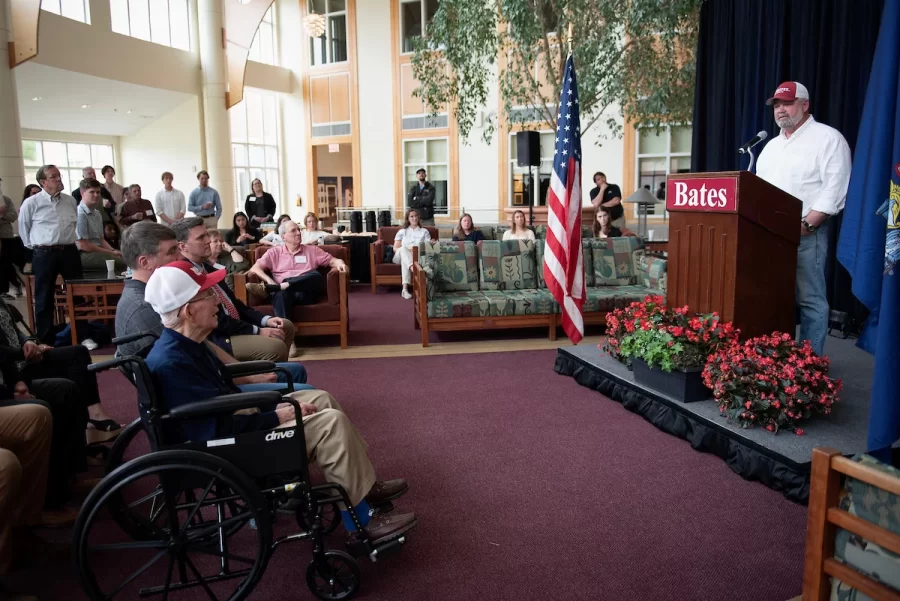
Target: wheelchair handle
x=133 y=337
x=108 y=364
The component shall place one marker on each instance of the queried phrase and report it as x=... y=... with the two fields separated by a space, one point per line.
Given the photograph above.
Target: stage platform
x=781 y=461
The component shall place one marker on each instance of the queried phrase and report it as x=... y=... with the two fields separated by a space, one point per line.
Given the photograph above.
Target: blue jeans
x=298 y=375
x=811 y=292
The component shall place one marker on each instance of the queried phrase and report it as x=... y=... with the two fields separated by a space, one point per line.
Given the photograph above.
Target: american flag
x=563 y=262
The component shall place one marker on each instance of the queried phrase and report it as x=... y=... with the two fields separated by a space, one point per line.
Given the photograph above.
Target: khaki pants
x=211 y=222
x=403 y=257
x=333 y=443
x=256 y=347
x=25 y=434
x=97 y=262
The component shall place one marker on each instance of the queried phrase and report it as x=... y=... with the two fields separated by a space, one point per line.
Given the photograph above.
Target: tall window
x=413 y=13
x=165 y=22
x=264 y=43
x=432 y=156
x=254 y=144
x=658 y=155
x=518 y=176
x=70 y=157
x=78 y=10
x=331 y=46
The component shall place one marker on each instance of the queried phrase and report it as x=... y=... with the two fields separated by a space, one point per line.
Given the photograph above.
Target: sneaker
x=90 y=344
x=405 y=294
x=293 y=352
x=383 y=528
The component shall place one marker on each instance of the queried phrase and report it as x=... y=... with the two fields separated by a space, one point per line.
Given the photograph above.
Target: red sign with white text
x=713 y=194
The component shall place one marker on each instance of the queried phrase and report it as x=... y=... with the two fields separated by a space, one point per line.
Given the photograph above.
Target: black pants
x=10 y=257
x=67 y=457
x=46 y=265
x=302 y=290
x=71 y=363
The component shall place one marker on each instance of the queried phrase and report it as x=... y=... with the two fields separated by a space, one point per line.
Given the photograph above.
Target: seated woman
x=273 y=238
x=241 y=233
x=465 y=230
x=518 y=231
x=311 y=233
x=224 y=256
x=410 y=236
x=603 y=227
x=111 y=234
x=187 y=371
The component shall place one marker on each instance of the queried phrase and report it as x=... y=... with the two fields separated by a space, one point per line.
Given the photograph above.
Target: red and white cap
x=789 y=90
x=172 y=286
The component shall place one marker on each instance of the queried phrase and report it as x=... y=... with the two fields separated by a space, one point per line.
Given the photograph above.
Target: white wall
x=607 y=157
x=171 y=143
x=376 y=109
x=293 y=120
x=478 y=176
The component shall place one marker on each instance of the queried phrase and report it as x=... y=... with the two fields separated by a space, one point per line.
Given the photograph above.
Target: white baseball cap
x=788 y=91
x=172 y=286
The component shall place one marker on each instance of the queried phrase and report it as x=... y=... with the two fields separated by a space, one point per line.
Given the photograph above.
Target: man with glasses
x=47 y=226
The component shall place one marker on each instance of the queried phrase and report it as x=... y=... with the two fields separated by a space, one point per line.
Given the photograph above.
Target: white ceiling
x=62 y=94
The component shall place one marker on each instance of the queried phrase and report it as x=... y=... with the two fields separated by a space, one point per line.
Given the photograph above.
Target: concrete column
x=216 y=125
x=11 y=165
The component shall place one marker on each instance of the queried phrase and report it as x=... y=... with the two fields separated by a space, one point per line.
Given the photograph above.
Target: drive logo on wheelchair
x=278 y=435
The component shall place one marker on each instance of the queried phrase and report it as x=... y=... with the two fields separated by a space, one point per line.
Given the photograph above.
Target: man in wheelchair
x=186 y=371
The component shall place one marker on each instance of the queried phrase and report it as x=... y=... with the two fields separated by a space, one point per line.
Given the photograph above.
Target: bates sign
x=718 y=194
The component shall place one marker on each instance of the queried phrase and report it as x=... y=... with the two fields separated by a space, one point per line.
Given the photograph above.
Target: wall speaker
x=528 y=149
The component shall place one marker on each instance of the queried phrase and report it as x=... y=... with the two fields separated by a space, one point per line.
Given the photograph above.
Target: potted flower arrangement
x=667 y=348
x=771 y=381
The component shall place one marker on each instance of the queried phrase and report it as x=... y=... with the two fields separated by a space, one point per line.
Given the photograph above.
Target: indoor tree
x=632 y=57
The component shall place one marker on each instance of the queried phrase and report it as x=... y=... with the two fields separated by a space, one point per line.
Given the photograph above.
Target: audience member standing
x=811 y=161
x=421 y=197
x=136 y=208
x=205 y=202
x=169 y=202
x=116 y=191
x=259 y=205
x=95 y=250
x=47 y=226
x=609 y=196
x=404 y=241
x=465 y=230
x=108 y=207
x=8 y=245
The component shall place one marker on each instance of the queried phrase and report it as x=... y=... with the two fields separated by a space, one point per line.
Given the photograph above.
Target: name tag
x=149 y=211
x=218 y=266
x=300 y=259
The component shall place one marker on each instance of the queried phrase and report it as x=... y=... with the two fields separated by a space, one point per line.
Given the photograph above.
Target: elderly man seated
x=187 y=371
x=295 y=279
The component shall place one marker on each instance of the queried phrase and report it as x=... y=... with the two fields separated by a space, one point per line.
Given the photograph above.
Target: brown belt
x=53 y=246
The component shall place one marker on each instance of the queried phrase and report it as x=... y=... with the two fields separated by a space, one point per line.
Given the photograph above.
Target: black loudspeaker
x=528 y=149
x=356 y=222
x=384 y=219
x=370 y=221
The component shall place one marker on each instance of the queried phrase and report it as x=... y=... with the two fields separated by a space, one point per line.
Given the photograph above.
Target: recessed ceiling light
x=129 y=112
x=36 y=98
x=84 y=106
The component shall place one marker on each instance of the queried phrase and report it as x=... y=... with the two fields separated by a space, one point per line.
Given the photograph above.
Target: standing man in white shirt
x=169 y=202
x=811 y=161
x=205 y=202
x=47 y=226
x=116 y=191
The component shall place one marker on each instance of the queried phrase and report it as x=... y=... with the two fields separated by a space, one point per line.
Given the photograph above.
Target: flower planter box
x=683 y=385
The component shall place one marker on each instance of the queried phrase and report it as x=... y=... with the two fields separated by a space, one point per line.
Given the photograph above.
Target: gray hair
x=183 y=227
x=143 y=238
x=282 y=228
x=85 y=170
x=42 y=172
x=171 y=319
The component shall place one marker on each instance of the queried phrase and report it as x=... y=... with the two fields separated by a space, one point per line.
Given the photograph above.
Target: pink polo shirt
x=283 y=264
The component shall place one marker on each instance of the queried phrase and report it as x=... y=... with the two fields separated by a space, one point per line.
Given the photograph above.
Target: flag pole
x=569 y=38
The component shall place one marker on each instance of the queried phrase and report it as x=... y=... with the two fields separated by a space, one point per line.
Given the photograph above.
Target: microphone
x=762 y=135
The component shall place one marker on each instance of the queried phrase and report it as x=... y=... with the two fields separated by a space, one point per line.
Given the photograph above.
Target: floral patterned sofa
x=496 y=284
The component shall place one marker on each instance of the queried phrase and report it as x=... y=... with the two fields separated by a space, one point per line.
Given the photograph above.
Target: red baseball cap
x=172 y=286
x=789 y=90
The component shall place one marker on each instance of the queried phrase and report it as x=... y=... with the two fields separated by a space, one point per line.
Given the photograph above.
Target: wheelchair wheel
x=336 y=576
x=194 y=538
x=117 y=451
x=329 y=512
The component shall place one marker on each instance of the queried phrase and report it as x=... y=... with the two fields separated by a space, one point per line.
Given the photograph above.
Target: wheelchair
x=202 y=514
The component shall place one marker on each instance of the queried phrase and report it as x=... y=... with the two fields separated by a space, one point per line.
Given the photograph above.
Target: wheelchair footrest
x=361 y=547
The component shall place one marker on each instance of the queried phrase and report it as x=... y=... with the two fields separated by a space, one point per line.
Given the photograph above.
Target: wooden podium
x=733 y=241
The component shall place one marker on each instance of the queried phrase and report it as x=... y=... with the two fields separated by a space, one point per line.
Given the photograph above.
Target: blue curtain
x=747 y=47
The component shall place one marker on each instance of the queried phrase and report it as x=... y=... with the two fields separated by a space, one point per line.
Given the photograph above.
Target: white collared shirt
x=169 y=203
x=412 y=236
x=813 y=165
x=46 y=221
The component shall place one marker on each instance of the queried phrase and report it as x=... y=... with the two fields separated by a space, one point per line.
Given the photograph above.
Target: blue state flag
x=869 y=245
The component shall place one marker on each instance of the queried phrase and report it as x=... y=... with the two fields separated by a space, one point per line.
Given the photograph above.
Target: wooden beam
x=241 y=23
x=26 y=15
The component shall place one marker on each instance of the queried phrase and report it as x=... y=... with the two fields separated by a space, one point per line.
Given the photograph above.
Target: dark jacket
x=231 y=236
x=421 y=200
x=259 y=207
x=10 y=355
x=474 y=236
x=228 y=326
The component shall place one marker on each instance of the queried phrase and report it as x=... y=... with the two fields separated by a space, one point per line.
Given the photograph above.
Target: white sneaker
x=405 y=294
x=90 y=344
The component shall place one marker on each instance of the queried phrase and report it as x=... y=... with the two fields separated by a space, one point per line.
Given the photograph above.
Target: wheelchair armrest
x=108 y=364
x=249 y=368
x=132 y=337
x=229 y=403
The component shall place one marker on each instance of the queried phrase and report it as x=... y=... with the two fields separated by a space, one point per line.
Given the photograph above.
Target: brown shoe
x=294 y=352
x=387 y=490
x=383 y=528
x=58 y=518
x=257 y=291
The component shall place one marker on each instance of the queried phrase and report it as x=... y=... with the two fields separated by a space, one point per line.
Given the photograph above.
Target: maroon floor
x=530 y=487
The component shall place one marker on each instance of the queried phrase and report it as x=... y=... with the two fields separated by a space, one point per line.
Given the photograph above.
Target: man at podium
x=810 y=161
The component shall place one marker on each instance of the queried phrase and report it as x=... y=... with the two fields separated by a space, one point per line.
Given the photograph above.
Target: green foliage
x=656 y=347
x=632 y=56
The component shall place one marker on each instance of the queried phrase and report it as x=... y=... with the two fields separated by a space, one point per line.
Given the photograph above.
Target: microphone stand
x=530 y=197
x=752 y=159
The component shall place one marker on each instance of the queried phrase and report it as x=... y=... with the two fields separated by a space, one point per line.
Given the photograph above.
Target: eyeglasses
x=210 y=293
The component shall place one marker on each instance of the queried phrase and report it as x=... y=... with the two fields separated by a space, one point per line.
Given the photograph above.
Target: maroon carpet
x=530 y=487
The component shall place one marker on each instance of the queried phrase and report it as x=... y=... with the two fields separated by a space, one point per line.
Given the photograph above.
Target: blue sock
x=362 y=513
